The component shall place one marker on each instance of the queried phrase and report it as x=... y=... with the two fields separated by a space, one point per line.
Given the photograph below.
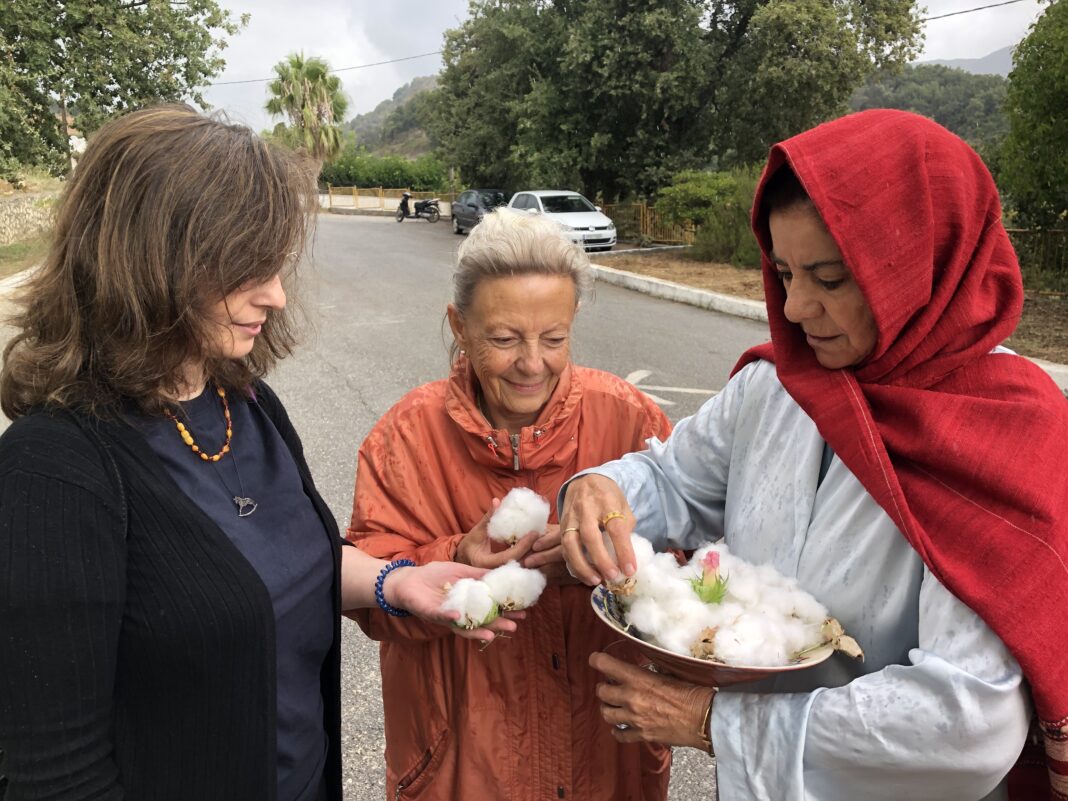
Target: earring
x=463 y=352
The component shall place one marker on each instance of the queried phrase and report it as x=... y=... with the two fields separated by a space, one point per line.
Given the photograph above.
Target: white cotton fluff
x=643 y=549
x=514 y=587
x=753 y=640
x=683 y=624
x=764 y=619
x=521 y=511
x=473 y=600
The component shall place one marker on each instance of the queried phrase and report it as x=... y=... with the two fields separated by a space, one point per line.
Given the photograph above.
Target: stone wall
x=22 y=216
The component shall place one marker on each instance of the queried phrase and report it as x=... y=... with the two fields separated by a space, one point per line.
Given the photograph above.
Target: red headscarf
x=967 y=451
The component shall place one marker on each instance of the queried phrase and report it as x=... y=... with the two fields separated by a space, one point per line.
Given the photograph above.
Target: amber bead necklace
x=245 y=505
x=187 y=437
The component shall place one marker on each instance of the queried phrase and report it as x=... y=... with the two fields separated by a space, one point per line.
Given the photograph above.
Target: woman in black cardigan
x=170 y=580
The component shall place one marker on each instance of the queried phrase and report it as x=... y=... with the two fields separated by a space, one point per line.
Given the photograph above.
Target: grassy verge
x=18 y=256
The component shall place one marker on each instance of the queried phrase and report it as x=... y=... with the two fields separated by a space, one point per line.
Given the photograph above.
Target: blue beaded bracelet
x=380 y=596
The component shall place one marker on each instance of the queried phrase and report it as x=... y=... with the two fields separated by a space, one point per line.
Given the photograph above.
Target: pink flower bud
x=711 y=563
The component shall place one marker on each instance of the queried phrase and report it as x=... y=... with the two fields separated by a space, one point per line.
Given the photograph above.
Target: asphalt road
x=375 y=297
x=377 y=293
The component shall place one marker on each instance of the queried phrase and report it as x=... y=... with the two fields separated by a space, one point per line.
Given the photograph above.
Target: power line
x=970 y=10
x=341 y=69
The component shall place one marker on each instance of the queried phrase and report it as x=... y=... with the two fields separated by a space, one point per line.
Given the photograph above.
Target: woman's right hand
x=477 y=549
x=593 y=504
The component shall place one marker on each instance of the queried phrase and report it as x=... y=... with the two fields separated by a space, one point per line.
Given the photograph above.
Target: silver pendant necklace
x=245 y=505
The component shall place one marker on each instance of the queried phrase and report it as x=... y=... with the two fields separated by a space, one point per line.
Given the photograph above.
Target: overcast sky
x=349 y=33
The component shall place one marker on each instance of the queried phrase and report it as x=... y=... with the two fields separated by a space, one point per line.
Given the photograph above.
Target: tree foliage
x=616 y=96
x=1034 y=160
x=969 y=105
x=354 y=166
x=96 y=58
x=718 y=204
x=311 y=99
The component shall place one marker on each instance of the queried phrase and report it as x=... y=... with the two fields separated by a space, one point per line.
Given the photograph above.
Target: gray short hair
x=509 y=243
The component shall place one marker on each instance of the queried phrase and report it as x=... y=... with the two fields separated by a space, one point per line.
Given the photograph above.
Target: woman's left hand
x=654 y=708
x=421 y=590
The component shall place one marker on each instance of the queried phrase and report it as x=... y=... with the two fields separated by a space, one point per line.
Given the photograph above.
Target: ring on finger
x=617 y=515
x=569 y=528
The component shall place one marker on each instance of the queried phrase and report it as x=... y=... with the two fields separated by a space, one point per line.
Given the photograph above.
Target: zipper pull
x=515 y=451
x=491 y=443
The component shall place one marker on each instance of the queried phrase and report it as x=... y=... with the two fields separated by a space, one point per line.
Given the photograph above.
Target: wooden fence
x=640 y=222
x=1043 y=256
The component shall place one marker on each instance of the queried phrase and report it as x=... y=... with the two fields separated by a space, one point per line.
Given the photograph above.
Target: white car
x=584 y=222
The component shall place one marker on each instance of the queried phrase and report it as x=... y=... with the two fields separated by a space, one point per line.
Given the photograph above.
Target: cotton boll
x=472 y=599
x=725 y=614
x=742 y=585
x=808 y=608
x=643 y=549
x=663 y=579
x=797 y=635
x=779 y=600
x=768 y=576
x=514 y=587
x=646 y=615
x=521 y=511
x=683 y=623
x=752 y=640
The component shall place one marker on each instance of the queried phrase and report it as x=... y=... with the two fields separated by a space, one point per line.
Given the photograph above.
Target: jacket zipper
x=515 y=451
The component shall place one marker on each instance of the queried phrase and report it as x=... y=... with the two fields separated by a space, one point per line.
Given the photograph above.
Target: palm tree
x=307 y=94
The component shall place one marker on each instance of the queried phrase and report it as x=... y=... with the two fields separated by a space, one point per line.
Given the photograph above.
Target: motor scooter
x=427 y=209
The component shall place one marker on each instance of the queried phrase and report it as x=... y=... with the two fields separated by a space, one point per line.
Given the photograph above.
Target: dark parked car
x=472 y=205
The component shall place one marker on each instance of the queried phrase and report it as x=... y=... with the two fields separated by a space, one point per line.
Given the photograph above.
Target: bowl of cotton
x=718 y=620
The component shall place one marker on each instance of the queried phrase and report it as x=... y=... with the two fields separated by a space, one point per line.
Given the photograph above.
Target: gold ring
x=569 y=528
x=611 y=516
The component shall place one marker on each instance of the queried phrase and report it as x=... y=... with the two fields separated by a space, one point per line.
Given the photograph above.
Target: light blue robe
x=937 y=710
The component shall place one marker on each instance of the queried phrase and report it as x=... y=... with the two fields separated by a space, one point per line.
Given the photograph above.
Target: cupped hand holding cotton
x=474 y=601
x=521 y=511
x=514 y=587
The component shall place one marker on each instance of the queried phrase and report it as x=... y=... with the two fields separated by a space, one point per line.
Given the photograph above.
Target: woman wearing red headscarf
x=886 y=451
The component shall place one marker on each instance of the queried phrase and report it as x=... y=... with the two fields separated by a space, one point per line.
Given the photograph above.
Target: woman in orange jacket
x=518 y=720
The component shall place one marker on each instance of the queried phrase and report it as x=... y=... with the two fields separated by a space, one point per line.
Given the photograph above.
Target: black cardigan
x=137 y=656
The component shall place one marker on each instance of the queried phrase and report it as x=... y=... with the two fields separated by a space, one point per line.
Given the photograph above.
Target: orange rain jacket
x=518 y=720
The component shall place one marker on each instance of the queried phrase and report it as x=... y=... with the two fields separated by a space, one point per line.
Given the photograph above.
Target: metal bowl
x=688 y=668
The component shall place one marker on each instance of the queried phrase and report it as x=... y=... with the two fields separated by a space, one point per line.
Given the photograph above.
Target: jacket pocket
x=413 y=782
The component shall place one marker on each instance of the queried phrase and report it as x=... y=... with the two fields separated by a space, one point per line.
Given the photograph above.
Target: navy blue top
x=286 y=543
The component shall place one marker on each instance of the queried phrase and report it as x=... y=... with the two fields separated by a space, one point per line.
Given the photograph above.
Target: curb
x=361 y=212
x=740 y=307
x=680 y=293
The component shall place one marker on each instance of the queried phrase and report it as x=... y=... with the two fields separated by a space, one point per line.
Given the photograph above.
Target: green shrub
x=717 y=204
x=357 y=167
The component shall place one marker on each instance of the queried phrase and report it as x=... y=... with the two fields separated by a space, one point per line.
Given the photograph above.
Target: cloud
x=345 y=33
x=979 y=33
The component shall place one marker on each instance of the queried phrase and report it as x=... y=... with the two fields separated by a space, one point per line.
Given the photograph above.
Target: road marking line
x=708 y=392
x=638 y=375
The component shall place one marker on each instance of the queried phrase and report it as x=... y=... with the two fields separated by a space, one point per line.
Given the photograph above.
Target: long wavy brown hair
x=167 y=212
